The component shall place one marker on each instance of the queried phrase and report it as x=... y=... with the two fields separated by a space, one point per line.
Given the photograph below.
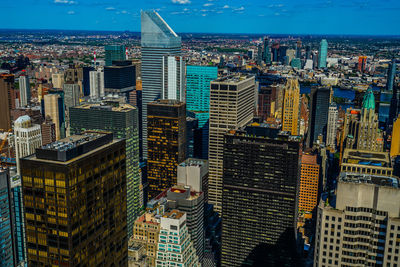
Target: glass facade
x=198 y=80
x=157 y=40
x=75 y=210
x=6 y=246
x=166 y=143
x=319 y=108
x=322 y=53
x=18 y=220
x=122 y=121
x=114 y=52
x=259 y=206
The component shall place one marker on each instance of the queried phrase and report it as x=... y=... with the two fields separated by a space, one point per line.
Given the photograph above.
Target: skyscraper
x=6 y=236
x=174 y=78
x=362 y=227
x=298 y=49
x=361 y=127
x=57 y=79
x=79 y=218
x=309 y=183
x=27 y=138
x=6 y=86
x=198 y=80
x=53 y=104
x=18 y=216
x=231 y=105
x=332 y=126
x=362 y=63
x=71 y=95
x=322 y=54
x=319 y=107
x=114 y=53
x=267 y=51
x=259 y=199
x=24 y=90
x=166 y=143
x=96 y=83
x=395 y=144
x=391 y=75
x=194 y=172
x=290 y=109
x=120 y=78
x=122 y=121
x=157 y=40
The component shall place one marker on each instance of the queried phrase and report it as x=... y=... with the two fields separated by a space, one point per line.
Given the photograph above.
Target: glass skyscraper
x=198 y=80
x=323 y=53
x=18 y=219
x=122 y=121
x=6 y=246
x=157 y=41
x=114 y=52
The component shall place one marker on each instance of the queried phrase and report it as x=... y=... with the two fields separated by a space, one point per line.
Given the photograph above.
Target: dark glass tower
x=259 y=205
x=166 y=143
x=319 y=108
x=114 y=52
x=267 y=52
x=74 y=194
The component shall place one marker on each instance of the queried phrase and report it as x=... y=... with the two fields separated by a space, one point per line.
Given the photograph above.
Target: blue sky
x=375 y=17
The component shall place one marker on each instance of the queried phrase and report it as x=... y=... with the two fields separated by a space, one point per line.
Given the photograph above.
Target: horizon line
x=232 y=33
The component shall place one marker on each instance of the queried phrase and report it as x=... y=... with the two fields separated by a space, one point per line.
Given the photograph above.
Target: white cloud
x=124 y=12
x=182 y=2
x=69 y=2
x=226 y=6
x=239 y=9
x=208 y=4
x=110 y=8
x=277 y=14
x=71 y=12
x=204 y=15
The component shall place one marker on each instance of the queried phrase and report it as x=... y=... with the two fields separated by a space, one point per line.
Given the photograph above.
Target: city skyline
x=274 y=17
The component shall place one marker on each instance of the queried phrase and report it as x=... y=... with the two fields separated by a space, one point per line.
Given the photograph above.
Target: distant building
x=18 y=217
x=24 y=90
x=391 y=75
x=157 y=41
x=166 y=132
x=319 y=109
x=71 y=95
x=48 y=130
x=198 y=79
x=174 y=78
x=366 y=162
x=96 y=83
x=6 y=239
x=119 y=78
x=259 y=197
x=57 y=79
x=54 y=107
x=27 y=138
x=76 y=172
x=194 y=172
x=114 y=53
x=290 y=109
x=298 y=49
x=266 y=101
x=6 y=87
x=332 y=126
x=362 y=63
x=322 y=54
x=231 y=106
x=309 y=183
x=86 y=80
x=267 y=51
x=175 y=247
x=366 y=212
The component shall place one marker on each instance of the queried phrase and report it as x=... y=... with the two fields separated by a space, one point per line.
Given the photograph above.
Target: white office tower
x=27 y=136
x=309 y=64
x=157 y=40
x=363 y=227
x=24 y=90
x=332 y=126
x=175 y=247
x=96 y=83
x=231 y=106
x=174 y=78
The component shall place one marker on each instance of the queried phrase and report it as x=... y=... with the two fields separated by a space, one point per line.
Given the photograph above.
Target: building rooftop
x=173 y=214
x=167 y=102
x=379 y=159
x=193 y=162
x=369 y=179
x=234 y=78
x=73 y=146
x=107 y=105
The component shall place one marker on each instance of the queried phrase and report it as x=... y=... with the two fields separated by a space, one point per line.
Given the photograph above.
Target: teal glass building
x=114 y=52
x=198 y=80
x=322 y=53
x=6 y=242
